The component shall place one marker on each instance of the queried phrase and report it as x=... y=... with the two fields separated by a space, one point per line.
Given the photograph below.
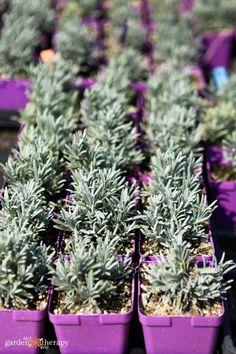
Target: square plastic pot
x=179 y=334
x=215 y=154
x=20 y=326
x=93 y=333
x=13 y=94
x=217 y=49
x=224 y=217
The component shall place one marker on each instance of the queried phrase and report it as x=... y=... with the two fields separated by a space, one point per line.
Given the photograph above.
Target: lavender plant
x=136 y=35
x=93 y=278
x=172 y=211
x=100 y=201
x=23 y=25
x=18 y=40
x=50 y=91
x=24 y=207
x=77 y=45
x=113 y=130
x=119 y=12
x=176 y=128
x=35 y=161
x=218 y=121
x=56 y=132
x=214 y=15
x=124 y=69
x=174 y=169
x=172 y=87
x=85 y=154
x=176 y=41
x=41 y=12
x=24 y=271
x=178 y=282
x=82 y=8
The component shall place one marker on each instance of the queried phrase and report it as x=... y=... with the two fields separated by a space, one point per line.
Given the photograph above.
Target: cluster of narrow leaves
x=101 y=199
x=176 y=40
x=51 y=91
x=127 y=28
x=214 y=15
x=35 y=161
x=174 y=109
x=123 y=69
x=111 y=127
x=81 y=8
x=92 y=278
x=24 y=270
x=182 y=283
x=24 y=207
x=35 y=181
x=23 y=24
x=219 y=119
x=83 y=55
x=176 y=208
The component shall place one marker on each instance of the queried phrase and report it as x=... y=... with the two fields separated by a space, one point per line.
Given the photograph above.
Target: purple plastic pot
x=216 y=155
x=18 y=328
x=179 y=334
x=217 y=49
x=13 y=94
x=83 y=84
x=93 y=333
x=185 y=6
x=224 y=217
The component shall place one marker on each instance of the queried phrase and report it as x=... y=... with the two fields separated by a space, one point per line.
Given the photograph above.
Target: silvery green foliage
x=124 y=69
x=214 y=15
x=24 y=207
x=24 y=270
x=174 y=169
x=230 y=152
x=219 y=121
x=175 y=128
x=85 y=154
x=18 y=40
x=101 y=201
x=111 y=127
x=136 y=34
x=227 y=91
x=166 y=11
x=41 y=12
x=73 y=9
x=35 y=161
x=92 y=278
x=119 y=12
x=23 y=24
x=176 y=41
x=55 y=131
x=100 y=98
x=76 y=45
x=126 y=24
x=172 y=86
x=172 y=211
x=51 y=91
x=88 y=8
x=180 y=283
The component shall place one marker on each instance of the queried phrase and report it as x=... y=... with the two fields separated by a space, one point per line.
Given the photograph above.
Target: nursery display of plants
x=118 y=210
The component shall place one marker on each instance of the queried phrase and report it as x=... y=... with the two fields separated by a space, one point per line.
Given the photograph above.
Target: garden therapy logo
x=35 y=342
